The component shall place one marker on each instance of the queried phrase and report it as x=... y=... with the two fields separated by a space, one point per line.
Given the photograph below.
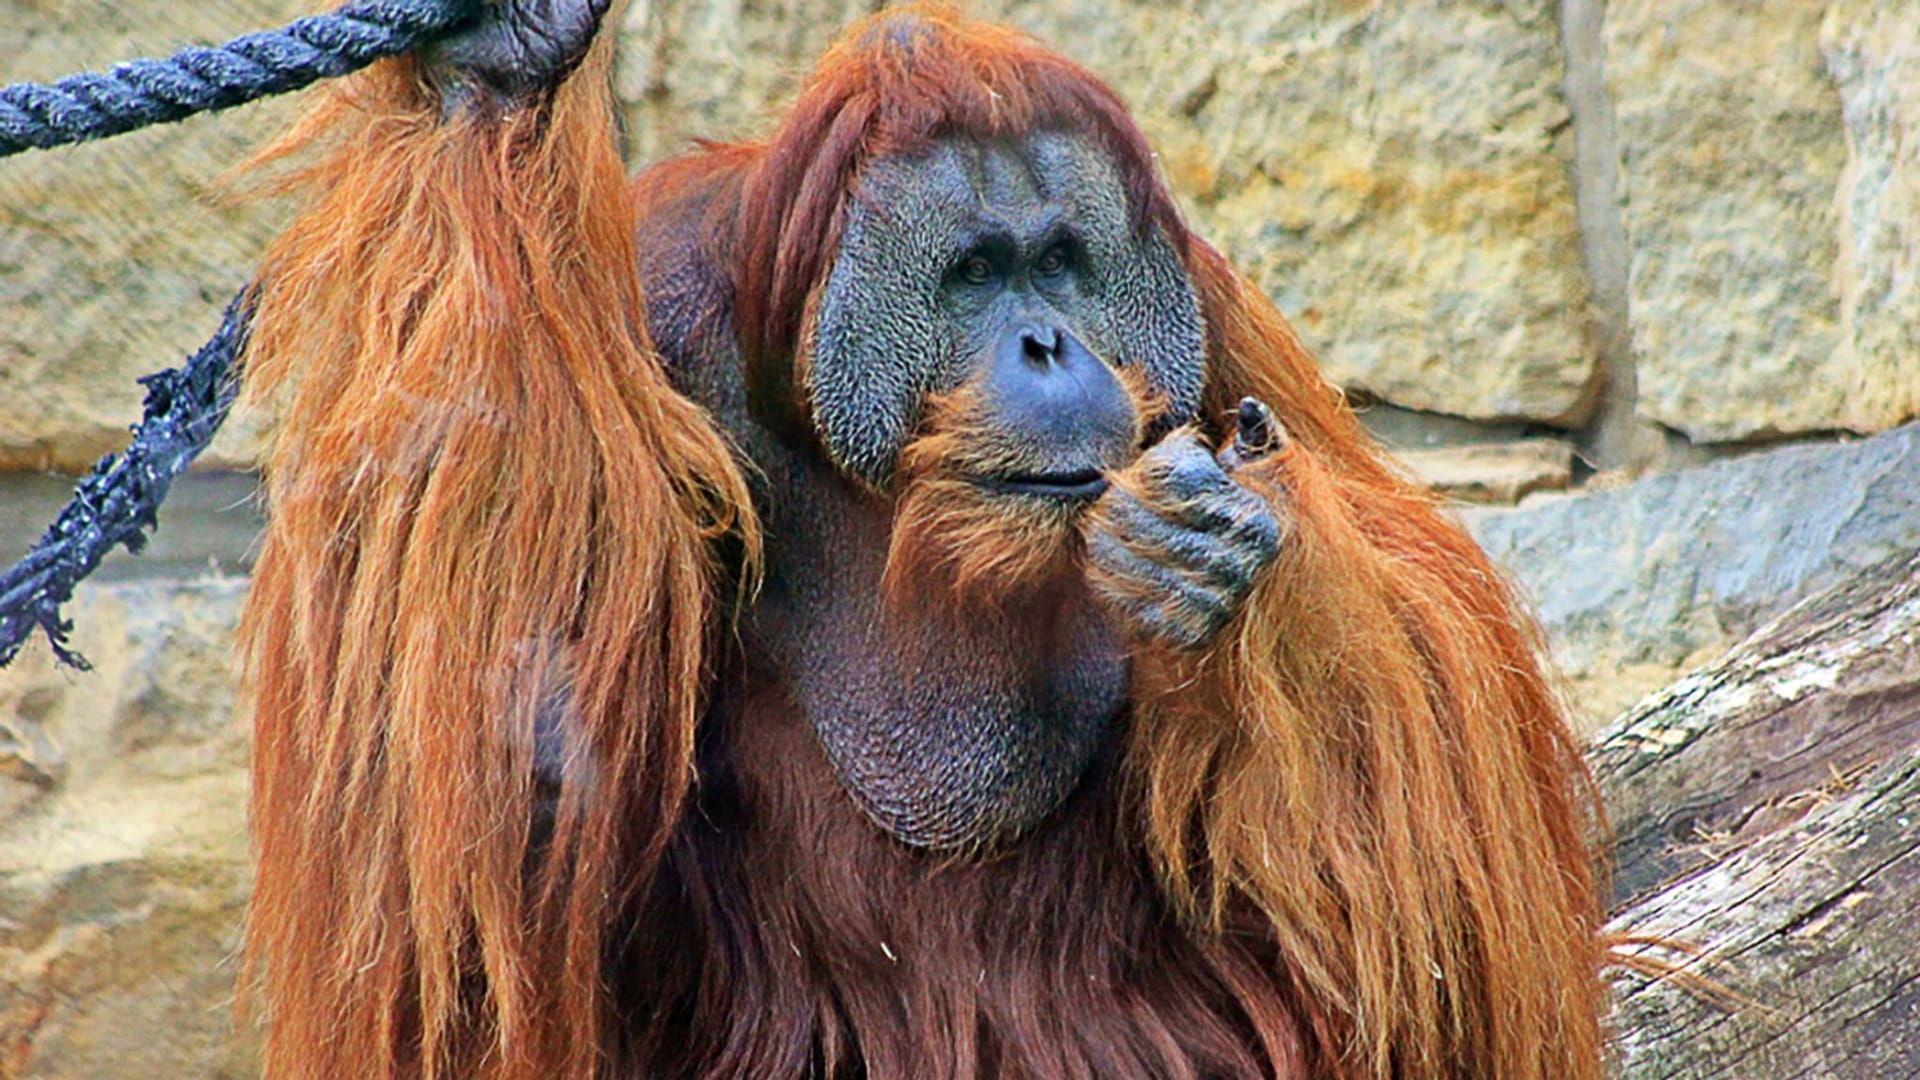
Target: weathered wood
x=1739 y=748
x=1767 y=810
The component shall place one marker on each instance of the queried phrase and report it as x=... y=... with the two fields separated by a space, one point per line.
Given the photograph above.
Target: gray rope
x=120 y=500
x=197 y=79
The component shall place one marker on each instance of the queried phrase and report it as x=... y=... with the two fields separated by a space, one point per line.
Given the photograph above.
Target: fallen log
x=1767 y=812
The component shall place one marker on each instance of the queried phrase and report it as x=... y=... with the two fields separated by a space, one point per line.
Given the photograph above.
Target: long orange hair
x=490 y=509
x=486 y=501
x=1373 y=758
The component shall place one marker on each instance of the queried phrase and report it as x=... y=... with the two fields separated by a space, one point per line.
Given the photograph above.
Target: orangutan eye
x=1052 y=262
x=976 y=270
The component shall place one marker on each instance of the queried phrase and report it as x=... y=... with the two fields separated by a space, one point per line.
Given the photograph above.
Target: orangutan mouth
x=1077 y=485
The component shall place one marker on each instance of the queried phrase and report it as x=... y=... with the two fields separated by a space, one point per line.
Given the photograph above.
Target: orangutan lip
x=1076 y=486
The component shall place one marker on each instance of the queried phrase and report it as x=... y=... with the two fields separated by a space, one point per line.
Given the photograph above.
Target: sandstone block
x=123 y=851
x=117 y=257
x=1493 y=472
x=1872 y=49
x=1769 y=167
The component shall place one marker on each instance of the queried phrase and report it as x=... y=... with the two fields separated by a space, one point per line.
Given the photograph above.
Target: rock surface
x=1769 y=164
x=123 y=852
x=1635 y=584
x=1873 y=52
x=117 y=257
x=1493 y=472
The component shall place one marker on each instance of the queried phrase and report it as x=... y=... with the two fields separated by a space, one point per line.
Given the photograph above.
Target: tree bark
x=1767 y=813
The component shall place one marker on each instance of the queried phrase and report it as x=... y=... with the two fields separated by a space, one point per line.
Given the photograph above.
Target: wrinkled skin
x=900 y=317
x=515 y=49
x=1177 y=551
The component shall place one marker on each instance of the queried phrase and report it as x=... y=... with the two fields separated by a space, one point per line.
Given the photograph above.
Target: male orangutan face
x=1009 y=281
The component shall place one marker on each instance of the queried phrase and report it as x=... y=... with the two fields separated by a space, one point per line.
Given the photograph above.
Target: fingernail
x=1259 y=433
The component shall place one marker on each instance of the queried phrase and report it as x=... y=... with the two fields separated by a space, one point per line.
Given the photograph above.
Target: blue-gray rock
x=1631 y=582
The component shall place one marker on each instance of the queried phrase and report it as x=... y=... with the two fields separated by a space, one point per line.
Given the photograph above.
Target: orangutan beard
x=958 y=540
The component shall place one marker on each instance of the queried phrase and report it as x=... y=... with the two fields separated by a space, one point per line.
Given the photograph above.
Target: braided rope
x=198 y=79
x=120 y=499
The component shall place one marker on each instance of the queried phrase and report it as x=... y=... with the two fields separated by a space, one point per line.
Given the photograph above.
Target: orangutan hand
x=514 y=50
x=1175 y=544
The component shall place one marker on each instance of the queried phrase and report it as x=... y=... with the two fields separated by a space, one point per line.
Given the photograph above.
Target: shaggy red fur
x=1351 y=839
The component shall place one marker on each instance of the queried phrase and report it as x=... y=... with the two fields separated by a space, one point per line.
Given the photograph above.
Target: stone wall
x=1645 y=227
x=123 y=846
x=117 y=257
x=1612 y=238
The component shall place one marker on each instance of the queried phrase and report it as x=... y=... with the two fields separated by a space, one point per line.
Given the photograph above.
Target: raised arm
x=484 y=499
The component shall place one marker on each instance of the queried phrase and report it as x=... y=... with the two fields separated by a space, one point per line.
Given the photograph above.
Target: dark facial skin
x=968 y=258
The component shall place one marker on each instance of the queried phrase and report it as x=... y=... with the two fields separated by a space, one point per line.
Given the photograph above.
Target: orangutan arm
x=1367 y=758
x=481 y=486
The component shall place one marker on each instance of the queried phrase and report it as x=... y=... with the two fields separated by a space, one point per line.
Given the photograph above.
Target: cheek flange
x=877 y=343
